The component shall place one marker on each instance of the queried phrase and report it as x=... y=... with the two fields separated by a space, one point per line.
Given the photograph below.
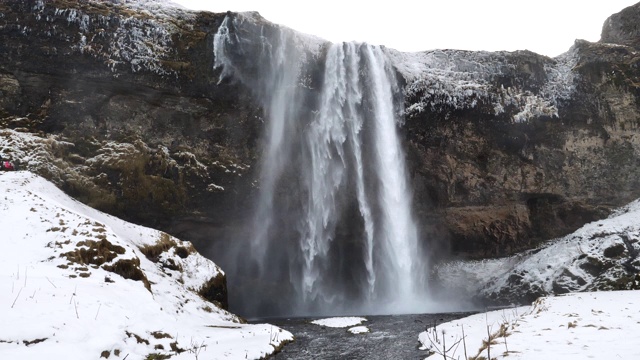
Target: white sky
x=547 y=27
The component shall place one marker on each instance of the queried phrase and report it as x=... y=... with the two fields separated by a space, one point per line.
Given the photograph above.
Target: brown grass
x=129 y=269
x=152 y=252
x=161 y=335
x=138 y=338
x=492 y=340
x=165 y=243
x=94 y=252
x=174 y=347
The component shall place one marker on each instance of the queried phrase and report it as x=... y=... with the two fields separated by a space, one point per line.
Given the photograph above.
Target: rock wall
x=132 y=93
x=500 y=185
x=504 y=149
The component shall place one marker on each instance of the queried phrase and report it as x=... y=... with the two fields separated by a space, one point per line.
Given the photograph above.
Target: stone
x=622 y=28
x=614 y=251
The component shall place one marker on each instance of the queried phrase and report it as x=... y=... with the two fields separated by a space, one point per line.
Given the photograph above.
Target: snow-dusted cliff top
x=143 y=36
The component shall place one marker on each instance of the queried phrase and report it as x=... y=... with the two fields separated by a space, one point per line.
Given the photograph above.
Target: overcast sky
x=547 y=27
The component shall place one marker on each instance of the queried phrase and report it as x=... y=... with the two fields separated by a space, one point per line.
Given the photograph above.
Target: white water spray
x=348 y=240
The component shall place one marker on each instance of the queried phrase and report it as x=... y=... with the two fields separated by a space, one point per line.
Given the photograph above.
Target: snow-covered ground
x=462 y=79
x=598 y=325
x=76 y=283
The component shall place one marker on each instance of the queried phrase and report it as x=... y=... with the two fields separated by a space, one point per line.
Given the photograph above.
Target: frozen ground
x=598 y=325
x=463 y=79
x=78 y=284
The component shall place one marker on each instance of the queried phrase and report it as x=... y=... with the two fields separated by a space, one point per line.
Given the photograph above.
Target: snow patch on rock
x=124 y=33
x=465 y=79
x=339 y=322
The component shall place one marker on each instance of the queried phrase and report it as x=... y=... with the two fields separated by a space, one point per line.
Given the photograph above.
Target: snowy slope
x=64 y=295
x=602 y=325
x=602 y=255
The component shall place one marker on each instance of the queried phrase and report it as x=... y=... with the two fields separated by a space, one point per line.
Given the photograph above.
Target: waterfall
x=332 y=230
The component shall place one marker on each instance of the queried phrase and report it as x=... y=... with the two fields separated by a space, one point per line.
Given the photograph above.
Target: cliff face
x=140 y=127
x=547 y=145
x=504 y=149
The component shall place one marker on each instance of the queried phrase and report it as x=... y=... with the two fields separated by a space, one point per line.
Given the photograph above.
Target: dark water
x=390 y=337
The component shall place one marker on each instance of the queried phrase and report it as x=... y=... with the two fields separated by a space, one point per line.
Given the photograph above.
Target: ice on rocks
x=339 y=322
x=460 y=79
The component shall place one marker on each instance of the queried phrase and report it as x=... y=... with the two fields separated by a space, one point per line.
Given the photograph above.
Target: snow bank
x=602 y=325
x=79 y=284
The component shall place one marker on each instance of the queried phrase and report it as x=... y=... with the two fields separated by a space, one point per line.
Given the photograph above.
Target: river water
x=390 y=337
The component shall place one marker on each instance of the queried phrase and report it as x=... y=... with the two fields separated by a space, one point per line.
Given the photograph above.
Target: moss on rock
x=215 y=291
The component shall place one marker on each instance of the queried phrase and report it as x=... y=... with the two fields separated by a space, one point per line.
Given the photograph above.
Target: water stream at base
x=390 y=337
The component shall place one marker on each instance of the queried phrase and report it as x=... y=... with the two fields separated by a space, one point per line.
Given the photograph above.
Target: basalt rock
x=504 y=149
x=500 y=183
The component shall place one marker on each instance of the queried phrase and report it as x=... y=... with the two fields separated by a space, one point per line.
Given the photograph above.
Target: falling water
x=333 y=221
